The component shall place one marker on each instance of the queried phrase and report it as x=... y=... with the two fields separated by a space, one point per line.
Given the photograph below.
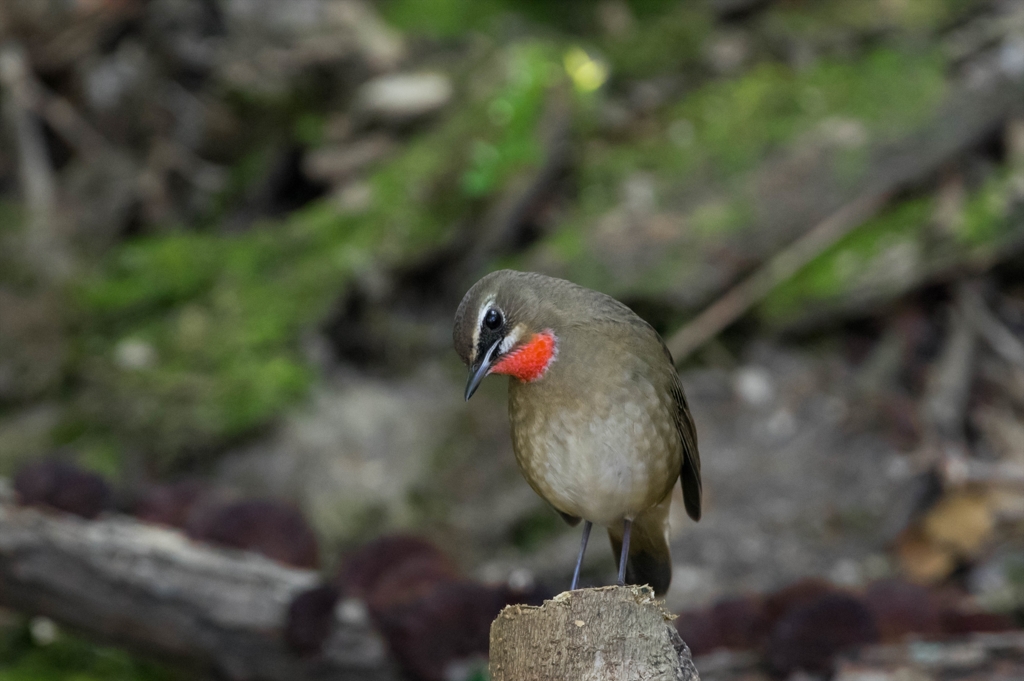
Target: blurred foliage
x=659 y=36
x=727 y=126
x=68 y=658
x=737 y=121
x=722 y=131
x=532 y=530
x=189 y=339
x=659 y=42
x=818 y=18
x=986 y=214
x=441 y=18
x=455 y=18
x=215 y=320
x=13 y=270
x=511 y=142
x=873 y=255
x=889 y=249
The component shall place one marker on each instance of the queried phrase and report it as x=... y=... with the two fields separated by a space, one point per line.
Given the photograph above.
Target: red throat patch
x=530 y=360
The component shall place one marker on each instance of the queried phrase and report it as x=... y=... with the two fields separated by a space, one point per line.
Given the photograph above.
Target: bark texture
x=154 y=590
x=612 y=633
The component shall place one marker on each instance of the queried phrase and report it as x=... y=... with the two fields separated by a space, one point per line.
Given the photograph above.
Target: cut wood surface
x=153 y=590
x=619 y=633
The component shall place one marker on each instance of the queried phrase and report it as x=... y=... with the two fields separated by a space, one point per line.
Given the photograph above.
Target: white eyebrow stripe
x=479 y=322
x=509 y=341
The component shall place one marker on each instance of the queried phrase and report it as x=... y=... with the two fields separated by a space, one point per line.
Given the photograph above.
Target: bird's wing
x=689 y=475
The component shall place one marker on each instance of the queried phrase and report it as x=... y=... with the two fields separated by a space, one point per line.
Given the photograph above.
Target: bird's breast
x=603 y=451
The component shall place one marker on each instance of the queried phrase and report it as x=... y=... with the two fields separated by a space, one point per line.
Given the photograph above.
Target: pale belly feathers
x=603 y=458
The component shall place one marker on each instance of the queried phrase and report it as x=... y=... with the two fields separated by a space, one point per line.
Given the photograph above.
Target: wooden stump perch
x=611 y=633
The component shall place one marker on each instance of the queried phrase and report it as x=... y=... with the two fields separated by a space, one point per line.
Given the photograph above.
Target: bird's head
x=506 y=325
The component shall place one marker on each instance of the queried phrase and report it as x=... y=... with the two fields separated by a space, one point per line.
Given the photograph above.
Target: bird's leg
x=583 y=549
x=628 y=524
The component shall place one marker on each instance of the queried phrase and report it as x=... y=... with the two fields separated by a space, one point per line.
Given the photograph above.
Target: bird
x=600 y=426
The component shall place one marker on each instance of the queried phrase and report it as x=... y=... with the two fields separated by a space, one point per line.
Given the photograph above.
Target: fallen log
x=154 y=591
x=619 y=633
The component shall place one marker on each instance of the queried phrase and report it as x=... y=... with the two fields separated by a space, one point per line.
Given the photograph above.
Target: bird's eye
x=493 y=319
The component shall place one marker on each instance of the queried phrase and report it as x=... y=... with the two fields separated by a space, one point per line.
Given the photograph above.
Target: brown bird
x=600 y=425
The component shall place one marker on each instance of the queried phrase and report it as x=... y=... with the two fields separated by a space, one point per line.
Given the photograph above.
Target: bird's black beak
x=477 y=373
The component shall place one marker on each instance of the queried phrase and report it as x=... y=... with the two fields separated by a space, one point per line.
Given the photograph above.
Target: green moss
x=152 y=273
x=713 y=138
x=660 y=41
x=511 y=141
x=717 y=217
x=13 y=269
x=894 y=248
x=986 y=212
x=736 y=122
x=99 y=456
x=665 y=36
x=308 y=129
x=821 y=18
x=71 y=659
x=853 y=263
x=851 y=164
x=11 y=216
x=453 y=18
x=222 y=317
x=440 y=18
x=727 y=127
x=217 y=318
x=535 y=528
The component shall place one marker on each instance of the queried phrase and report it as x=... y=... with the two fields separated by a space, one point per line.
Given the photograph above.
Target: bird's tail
x=650 y=561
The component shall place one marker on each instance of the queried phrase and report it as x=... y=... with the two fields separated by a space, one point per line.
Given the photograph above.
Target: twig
x=949 y=380
x=780 y=268
x=957 y=469
x=65 y=119
x=975 y=656
x=1003 y=341
x=38 y=184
